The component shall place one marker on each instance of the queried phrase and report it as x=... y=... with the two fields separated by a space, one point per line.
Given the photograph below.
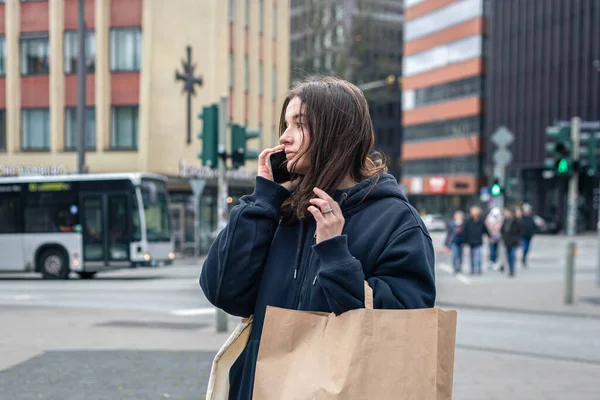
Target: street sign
x=502 y=137
x=197 y=186
x=502 y=156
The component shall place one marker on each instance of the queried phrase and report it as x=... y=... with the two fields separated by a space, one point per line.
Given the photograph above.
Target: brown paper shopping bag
x=363 y=354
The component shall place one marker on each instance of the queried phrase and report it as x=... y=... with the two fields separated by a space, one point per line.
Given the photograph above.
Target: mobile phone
x=278 y=163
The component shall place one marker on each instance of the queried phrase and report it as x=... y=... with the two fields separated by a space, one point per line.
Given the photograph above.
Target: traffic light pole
x=221 y=319
x=572 y=213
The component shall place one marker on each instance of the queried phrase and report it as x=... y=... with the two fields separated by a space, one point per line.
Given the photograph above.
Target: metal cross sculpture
x=189 y=83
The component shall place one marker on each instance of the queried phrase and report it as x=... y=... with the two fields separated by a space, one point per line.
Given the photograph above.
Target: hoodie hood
x=371 y=189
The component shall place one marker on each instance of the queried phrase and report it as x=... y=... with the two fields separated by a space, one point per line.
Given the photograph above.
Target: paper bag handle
x=368 y=296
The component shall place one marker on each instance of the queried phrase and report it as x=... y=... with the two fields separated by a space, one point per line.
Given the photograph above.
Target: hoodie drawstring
x=299 y=246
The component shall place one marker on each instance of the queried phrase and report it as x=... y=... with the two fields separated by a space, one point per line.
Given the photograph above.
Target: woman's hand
x=328 y=214
x=264 y=170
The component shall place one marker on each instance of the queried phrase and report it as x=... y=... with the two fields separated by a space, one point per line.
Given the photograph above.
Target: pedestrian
x=455 y=239
x=493 y=222
x=474 y=230
x=311 y=242
x=511 y=236
x=528 y=229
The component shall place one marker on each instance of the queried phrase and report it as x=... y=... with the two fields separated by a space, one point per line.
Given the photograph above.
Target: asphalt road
x=513 y=348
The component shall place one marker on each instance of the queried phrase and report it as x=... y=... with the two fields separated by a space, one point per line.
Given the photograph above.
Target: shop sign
x=198 y=172
x=437 y=184
x=416 y=185
x=24 y=170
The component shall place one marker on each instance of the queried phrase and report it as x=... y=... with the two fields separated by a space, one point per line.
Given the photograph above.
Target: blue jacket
x=256 y=262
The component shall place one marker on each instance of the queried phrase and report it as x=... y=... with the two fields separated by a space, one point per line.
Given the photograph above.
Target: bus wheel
x=86 y=275
x=53 y=265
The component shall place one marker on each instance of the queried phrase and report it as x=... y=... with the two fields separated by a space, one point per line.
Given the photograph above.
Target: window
x=51 y=211
x=443 y=55
x=71 y=48
x=443 y=18
x=35 y=55
x=35 y=129
x=261 y=15
x=273 y=83
x=441 y=166
x=458 y=127
x=247 y=15
x=124 y=128
x=446 y=91
x=410 y=3
x=71 y=128
x=274 y=21
x=260 y=78
x=2 y=55
x=231 y=10
x=125 y=49
x=2 y=130
x=10 y=209
x=231 y=67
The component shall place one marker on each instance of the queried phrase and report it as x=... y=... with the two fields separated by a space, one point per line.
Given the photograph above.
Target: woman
x=511 y=236
x=455 y=240
x=494 y=225
x=309 y=244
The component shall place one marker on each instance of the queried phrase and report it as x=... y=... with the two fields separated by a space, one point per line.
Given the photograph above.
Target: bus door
x=106 y=223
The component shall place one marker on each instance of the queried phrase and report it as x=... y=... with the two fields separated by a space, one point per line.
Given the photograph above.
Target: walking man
x=474 y=230
x=528 y=229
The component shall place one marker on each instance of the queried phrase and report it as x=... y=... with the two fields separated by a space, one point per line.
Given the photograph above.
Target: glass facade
x=443 y=55
x=446 y=129
x=414 y=98
x=441 y=166
x=445 y=17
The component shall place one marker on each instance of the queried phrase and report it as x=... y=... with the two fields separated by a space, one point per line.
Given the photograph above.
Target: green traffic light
x=495 y=190
x=563 y=166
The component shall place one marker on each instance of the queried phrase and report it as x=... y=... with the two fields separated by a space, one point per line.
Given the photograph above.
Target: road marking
x=447 y=268
x=193 y=311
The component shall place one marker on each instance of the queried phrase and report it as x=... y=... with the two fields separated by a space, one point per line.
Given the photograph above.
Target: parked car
x=434 y=222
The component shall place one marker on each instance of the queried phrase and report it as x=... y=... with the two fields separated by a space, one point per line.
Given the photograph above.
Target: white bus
x=84 y=223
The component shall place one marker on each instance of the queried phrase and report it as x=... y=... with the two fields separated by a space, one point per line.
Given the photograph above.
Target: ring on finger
x=328 y=211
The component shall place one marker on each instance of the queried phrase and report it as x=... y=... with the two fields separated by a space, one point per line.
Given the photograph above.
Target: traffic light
x=588 y=154
x=496 y=189
x=559 y=156
x=239 y=152
x=209 y=136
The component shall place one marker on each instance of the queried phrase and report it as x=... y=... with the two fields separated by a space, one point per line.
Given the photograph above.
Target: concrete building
x=136 y=115
x=443 y=102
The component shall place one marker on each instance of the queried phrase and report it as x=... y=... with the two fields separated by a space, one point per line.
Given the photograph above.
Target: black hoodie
x=256 y=262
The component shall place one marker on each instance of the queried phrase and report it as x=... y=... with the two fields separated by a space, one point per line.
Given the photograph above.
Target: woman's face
x=296 y=136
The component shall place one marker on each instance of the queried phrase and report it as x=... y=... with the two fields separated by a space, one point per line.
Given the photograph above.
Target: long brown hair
x=341 y=137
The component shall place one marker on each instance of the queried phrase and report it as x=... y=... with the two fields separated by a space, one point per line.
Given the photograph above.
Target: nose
x=285 y=139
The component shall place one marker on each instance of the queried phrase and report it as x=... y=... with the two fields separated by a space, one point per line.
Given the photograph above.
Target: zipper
x=302 y=288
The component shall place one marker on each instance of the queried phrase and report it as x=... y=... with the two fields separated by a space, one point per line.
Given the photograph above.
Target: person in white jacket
x=493 y=222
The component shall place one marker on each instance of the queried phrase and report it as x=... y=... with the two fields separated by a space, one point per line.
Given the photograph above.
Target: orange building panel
x=35 y=91
x=71 y=10
x=442 y=111
x=455 y=147
x=475 y=26
x=2 y=92
x=441 y=184
x=35 y=16
x=465 y=69
x=424 y=8
x=71 y=90
x=124 y=13
x=125 y=88
x=2 y=19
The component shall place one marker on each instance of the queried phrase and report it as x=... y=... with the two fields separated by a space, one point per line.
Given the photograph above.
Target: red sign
x=437 y=184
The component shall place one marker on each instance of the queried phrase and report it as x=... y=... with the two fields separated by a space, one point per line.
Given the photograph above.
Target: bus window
x=9 y=213
x=51 y=212
x=156 y=211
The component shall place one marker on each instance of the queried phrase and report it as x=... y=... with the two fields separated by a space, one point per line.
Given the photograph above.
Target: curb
x=453 y=305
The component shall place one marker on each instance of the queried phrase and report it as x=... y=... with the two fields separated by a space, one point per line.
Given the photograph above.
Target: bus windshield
x=156 y=210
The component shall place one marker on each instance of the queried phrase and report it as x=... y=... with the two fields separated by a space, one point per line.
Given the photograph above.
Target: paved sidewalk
x=538 y=289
